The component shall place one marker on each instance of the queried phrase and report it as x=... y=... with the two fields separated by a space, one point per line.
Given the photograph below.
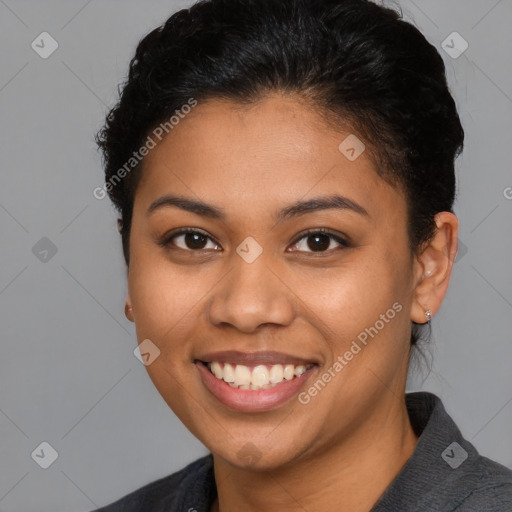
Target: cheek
x=366 y=302
x=165 y=301
x=164 y=297
x=362 y=314
x=356 y=292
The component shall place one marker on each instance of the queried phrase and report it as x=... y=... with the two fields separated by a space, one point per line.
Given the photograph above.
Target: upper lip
x=253 y=358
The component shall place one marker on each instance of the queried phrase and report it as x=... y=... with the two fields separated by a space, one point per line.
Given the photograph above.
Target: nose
x=251 y=295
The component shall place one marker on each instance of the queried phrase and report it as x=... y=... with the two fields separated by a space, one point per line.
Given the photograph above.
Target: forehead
x=279 y=149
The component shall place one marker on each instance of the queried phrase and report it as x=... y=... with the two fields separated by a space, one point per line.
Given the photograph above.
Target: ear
x=128 y=311
x=433 y=267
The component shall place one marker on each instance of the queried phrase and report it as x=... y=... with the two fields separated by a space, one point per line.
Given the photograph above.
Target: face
x=282 y=251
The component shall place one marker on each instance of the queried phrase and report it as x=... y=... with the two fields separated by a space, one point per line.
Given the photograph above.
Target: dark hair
x=358 y=63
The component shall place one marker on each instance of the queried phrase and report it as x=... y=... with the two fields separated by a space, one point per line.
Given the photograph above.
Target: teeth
x=260 y=377
x=300 y=370
x=216 y=369
x=289 y=371
x=242 y=375
x=276 y=374
x=228 y=373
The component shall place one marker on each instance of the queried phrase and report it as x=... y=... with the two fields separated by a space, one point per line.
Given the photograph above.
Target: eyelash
x=166 y=239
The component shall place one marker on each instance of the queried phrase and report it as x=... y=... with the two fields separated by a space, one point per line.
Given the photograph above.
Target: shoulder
x=493 y=490
x=167 y=493
x=445 y=472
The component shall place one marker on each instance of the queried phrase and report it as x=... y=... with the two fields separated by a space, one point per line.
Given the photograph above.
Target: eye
x=193 y=240
x=318 y=240
x=188 y=239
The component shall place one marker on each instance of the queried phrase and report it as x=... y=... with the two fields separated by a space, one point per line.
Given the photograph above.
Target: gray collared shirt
x=445 y=473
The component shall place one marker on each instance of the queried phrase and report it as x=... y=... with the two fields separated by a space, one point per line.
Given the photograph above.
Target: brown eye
x=189 y=240
x=319 y=241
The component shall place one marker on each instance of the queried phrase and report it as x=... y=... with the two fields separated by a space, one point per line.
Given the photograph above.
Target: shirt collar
x=442 y=471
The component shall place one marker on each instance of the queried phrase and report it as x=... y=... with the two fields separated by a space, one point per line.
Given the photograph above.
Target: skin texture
x=348 y=443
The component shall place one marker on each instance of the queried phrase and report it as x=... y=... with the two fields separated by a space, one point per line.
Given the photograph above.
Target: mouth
x=254 y=382
x=262 y=376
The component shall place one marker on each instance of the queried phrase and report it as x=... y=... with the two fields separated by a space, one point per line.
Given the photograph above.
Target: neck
x=351 y=473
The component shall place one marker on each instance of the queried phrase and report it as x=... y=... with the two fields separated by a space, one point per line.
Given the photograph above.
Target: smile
x=256 y=377
x=254 y=382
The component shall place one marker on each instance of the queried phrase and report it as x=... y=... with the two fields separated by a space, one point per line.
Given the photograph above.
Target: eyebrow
x=294 y=210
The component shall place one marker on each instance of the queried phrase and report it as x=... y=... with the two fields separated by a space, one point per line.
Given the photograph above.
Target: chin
x=258 y=456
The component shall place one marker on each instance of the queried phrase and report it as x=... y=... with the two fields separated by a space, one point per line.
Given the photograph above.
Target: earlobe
x=128 y=310
x=433 y=267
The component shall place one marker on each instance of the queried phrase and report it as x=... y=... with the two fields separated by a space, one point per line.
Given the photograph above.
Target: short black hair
x=360 y=64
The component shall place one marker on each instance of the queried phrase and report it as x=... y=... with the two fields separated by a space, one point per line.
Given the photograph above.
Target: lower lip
x=247 y=400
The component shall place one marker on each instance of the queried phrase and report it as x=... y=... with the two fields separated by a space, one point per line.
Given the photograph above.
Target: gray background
x=68 y=375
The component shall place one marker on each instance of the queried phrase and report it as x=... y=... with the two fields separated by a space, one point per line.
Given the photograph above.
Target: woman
x=284 y=171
